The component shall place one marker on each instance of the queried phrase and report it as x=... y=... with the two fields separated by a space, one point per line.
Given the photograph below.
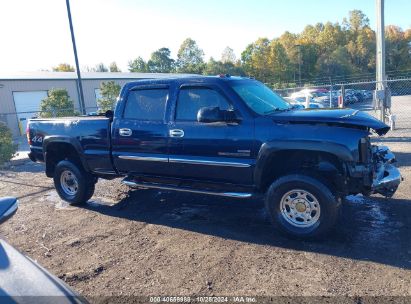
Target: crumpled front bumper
x=386 y=177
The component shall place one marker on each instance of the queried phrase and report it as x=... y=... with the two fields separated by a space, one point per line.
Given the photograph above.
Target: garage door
x=27 y=105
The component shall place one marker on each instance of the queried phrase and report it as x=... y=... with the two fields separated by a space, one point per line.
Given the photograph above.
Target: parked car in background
x=324 y=100
x=323 y=96
x=22 y=279
x=309 y=92
x=320 y=98
x=366 y=94
x=300 y=103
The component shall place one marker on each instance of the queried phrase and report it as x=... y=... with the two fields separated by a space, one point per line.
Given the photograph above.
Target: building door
x=27 y=105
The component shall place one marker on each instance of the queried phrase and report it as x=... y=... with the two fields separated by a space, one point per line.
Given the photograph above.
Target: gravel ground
x=145 y=242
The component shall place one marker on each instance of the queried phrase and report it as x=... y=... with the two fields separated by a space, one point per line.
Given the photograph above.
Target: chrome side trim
x=104 y=172
x=171 y=188
x=35 y=147
x=208 y=163
x=144 y=158
x=185 y=161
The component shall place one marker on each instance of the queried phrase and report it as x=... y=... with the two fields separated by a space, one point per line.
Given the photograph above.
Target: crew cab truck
x=225 y=136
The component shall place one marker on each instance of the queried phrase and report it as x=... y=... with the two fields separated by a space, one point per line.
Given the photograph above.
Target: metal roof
x=86 y=75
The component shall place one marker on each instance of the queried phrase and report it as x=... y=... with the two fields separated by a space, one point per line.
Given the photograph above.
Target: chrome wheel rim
x=69 y=182
x=300 y=208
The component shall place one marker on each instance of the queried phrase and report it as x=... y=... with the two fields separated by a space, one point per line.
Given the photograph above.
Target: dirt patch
x=146 y=242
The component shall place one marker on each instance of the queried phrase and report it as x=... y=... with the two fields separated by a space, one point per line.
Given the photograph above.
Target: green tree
x=214 y=67
x=255 y=59
x=228 y=55
x=358 y=20
x=246 y=59
x=63 y=67
x=398 y=45
x=278 y=62
x=109 y=91
x=330 y=38
x=7 y=148
x=160 y=61
x=289 y=42
x=335 y=63
x=260 y=57
x=324 y=49
x=138 y=65
x=101 y=68
x=190 y=58
x=113 y=67
x=57 y=104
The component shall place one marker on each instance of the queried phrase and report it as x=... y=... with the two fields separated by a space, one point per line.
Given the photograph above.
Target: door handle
x=176 y=133
x=125 y=132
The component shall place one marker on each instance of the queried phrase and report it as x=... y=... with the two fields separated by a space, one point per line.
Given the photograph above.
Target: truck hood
x=337 y=117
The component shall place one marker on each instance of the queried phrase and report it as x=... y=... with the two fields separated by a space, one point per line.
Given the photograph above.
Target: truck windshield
x=259 y=97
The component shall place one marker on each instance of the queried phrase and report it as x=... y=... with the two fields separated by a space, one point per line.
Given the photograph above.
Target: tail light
x=28 y=134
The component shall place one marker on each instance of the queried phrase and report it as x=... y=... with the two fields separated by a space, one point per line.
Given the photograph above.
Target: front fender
x=268 y=149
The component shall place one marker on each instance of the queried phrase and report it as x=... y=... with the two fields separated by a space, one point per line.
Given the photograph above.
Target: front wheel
x=301 y=206
x=72 y=183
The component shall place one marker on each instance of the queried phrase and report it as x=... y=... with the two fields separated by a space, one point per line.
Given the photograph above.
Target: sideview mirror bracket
x=109 y=114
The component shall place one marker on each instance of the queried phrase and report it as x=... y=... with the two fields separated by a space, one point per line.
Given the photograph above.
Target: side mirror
x=8 y=206
x=214 y=114
x=109 y=114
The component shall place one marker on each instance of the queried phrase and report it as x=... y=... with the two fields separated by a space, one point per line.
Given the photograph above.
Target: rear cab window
x=146 y=104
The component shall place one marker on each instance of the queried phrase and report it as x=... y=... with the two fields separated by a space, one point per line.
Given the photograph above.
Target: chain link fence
x=360 y=96
x=357 y=95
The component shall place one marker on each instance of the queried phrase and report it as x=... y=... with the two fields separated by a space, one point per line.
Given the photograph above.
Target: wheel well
x=321 y=165
x=57 y=152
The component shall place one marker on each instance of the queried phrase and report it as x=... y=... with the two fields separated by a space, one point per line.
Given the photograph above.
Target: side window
x=146 y=104
x=190 y=100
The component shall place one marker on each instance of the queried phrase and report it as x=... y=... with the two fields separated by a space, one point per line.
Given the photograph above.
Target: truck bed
x=89 y=135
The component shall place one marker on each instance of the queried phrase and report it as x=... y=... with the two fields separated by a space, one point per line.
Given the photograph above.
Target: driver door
x=217 y=152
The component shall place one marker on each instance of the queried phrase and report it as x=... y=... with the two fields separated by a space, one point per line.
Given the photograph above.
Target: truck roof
x=185 y=78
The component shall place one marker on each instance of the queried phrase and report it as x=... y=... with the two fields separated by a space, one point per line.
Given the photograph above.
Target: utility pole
x=73 y=40
x=380 y=73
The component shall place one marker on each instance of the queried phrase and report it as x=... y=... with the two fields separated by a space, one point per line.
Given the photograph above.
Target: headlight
x=364 y=150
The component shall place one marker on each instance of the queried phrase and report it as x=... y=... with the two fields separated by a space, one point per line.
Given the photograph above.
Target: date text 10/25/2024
x=202 y=299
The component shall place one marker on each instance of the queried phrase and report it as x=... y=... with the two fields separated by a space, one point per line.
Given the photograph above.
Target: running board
x=134 y=184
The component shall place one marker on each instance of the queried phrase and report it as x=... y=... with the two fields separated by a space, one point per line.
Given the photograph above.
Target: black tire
x=328 y=207
x=84 y=186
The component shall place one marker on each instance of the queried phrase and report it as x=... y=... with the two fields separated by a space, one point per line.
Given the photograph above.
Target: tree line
x=324 y=52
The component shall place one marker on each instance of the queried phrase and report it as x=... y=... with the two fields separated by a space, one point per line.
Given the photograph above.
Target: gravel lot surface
x=145 y=242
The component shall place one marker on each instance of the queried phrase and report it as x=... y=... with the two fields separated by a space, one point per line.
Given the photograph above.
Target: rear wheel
x=73 y=184
x=301 y=206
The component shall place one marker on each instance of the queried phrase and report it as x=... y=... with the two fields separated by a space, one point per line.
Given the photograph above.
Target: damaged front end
x=386 y=177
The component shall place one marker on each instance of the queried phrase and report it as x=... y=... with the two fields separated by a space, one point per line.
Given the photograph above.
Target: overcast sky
x=35 y=34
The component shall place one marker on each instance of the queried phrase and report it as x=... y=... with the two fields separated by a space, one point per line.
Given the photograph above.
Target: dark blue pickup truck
x=226 y=136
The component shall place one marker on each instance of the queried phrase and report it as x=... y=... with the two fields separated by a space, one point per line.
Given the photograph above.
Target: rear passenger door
x=139 y=137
